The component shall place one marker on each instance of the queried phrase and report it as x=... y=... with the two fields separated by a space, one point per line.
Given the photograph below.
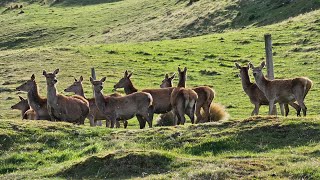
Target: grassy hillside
x=77 y=35
x=70 y=22
x=256 y=148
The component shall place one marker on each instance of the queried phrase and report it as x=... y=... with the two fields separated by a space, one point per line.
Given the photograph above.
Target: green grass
x=77 y=35
x=258 y=147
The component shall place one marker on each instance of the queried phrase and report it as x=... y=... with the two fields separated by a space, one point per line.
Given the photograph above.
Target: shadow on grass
x=82 y=2
x=261 y=139
x=119 y=165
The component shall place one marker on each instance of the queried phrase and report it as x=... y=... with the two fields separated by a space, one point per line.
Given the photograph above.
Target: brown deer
x=23 y=106
x=256 y=96
x=72 y=109
x=183 y=100
x=161 y=97
x=125 y=107
x=205 y=98
x=37 y=103
x=94 y=114
x=283 y=91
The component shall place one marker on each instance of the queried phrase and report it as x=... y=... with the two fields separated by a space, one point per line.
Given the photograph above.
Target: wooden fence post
x=269 y=63
x=93 y=75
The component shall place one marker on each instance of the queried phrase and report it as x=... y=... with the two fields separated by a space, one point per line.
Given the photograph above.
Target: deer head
x=27 y=86
x=51 y=77
x=124 y=81
x=97 y=85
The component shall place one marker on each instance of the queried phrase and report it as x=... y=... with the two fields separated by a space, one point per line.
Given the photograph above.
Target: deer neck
x=34 y=98
x=129 y=88
x=262 y=83
x=182 y=82
x=80 y=92
x=100 y=101
x=245 y=81
x=52 y=95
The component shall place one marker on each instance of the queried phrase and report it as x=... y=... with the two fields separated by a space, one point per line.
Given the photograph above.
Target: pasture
x=259 y=147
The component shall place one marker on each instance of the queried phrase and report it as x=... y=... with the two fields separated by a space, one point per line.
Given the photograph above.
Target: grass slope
x=106 y=21
x=252 y=148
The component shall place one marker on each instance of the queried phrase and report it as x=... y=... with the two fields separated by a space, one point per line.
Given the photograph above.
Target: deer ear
x=21 y=98
x=263 y=63
x=126 y=73
x=44 y=72
x=248 y=66
x=172 y=77
x=91 y=80
x=166 y=76
x=185 y=69
x=33 y=77
x=75 y=80
x=129 y=76
x=81 y=79
x=179 y=70
x=56 y=71
x=103 y=79
x=237 y=65
x=251 y=65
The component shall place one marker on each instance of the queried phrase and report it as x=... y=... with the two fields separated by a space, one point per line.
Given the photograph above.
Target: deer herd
x=143 y=104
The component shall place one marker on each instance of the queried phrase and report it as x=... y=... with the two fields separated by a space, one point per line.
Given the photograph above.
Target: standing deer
x=37 y=103
x=124 y=107
x=283 y=91
x=72 y=109
x=161 y=97
x=205 y=98
x=23 y=106
x=256 y=96
x=183 y=100
x=94 y=114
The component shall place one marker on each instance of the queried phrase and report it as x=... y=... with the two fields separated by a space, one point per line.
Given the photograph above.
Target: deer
x=72 y=109
x=94 y=113
x=283 y=91
x=205 y=98
x=35 y=101
x=23 y=106
x=161 y=97
x=183 y=100
x=256 y=96
x=125 y=107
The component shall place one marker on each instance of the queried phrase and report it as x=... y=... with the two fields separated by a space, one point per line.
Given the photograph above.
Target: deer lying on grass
x=256 y=96
x=23 y=106
x=125 y=107
x=283 y=91
x=205 y=98
x=161 y=97
x=72 y=109
x=94 y=114
x=37 y=103
x=183 y=100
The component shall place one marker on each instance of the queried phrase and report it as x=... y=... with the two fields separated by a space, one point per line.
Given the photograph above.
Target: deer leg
x=255 y=110
x=117 y=124
x=98 y=123
x=206 y=109
x=176 y=116
x=142 y=121
x=181 y=112
x=281 y=108
x=91 y=120
x=198 y=113
x=113 y=121
x=295 y=106
x=286 y=109
x=303 y=107
x=191 y=111
x=125 y=124
x=108 y=123
x=271 y=104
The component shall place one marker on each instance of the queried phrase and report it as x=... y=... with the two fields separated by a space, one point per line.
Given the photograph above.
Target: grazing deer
x=72 y=109
x=23 y=106
x=37 y=103
x=183 y=100
x=161 y=97
x=283 y=91
x=94 y=114
x=256 y=96
x=205 y=98
x=125 y=107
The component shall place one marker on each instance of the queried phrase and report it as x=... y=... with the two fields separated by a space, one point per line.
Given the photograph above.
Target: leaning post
x=93 y=75
x=269 y=63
